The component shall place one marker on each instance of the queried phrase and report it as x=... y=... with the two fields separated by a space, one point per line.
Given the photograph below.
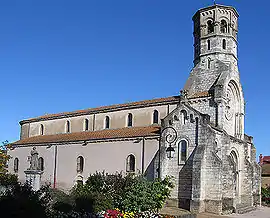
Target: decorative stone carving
x=33 y=174
x=229 y=105
x=34 y=159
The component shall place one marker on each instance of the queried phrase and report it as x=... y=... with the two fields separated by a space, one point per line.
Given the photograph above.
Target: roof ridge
x=103 y=108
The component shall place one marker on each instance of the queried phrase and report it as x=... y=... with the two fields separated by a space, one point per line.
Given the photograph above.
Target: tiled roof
x=266 y=159
x=157 y=101
x=199 y=94
x=266 y=169
x=128 y=132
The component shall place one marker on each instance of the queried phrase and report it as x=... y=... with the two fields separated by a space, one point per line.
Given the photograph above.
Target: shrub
x=62 y=204
x=145 y=195
x=130 y=194
x=22 y=201
x=266 y=195
x=7 y=179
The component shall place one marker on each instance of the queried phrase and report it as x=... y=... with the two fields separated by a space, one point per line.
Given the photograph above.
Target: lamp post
x=170 y=138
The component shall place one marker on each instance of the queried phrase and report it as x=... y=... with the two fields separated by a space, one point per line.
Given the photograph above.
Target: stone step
x=171 y=203
x=177 y=212
x=245 y=209
x=210 y=215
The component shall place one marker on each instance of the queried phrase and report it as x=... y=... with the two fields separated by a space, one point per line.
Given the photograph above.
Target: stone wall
x=109 y=156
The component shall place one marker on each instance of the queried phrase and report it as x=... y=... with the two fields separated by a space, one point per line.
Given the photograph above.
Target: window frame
x=41 y=163
x=68 y=126
x=80 y=164
x=131 y=163
x=208 y=45
x=223 y=28
x=130 y=120
x=155 y=117
x=183 y=114
x=210 y=27
x=224 y=44
x=107 y=122
x=41 y=131
x=180 y=161
x=86 y=124
x=16 y=165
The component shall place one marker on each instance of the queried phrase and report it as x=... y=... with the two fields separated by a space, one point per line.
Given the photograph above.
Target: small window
x=68 y=126
x=41 y=163
x=130 y=163
x=130 y=117
x=183 y=116
x=210 y=26
x=86 y=125
x=155 y=116
x=107 y=122
x=80 y=164
x=191 y=118
x=41 y=129
x=224 y=43
x=182 y=152
x=208 y=63
x=208 y=44
x=16 y=165
x=223 y=26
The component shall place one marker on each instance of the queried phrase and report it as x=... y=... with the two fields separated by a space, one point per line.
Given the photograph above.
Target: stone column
x=33 y=178
x=33 y=174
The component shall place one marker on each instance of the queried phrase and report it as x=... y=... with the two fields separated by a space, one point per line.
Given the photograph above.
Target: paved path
x=261 y=212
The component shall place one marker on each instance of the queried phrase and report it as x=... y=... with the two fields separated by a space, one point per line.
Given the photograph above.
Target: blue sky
x=63 y=55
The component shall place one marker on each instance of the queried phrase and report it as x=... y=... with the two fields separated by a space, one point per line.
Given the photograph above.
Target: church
x=198 y=137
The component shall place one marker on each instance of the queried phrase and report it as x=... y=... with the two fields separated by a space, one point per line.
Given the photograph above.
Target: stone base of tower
x=220 y=207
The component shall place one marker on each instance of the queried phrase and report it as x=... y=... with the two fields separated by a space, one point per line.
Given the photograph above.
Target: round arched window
x=80 y=164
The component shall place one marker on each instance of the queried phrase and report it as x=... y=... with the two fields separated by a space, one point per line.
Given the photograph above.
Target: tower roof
x=216 y=6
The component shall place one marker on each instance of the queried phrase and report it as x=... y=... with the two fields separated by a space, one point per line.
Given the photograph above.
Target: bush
x=266 y=195
x=129 y=194
x=144 y=195
x=22 y=201
x=7 y=179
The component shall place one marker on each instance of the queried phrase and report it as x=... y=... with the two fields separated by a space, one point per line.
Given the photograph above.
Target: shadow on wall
x=185 y=183
x=150 y=173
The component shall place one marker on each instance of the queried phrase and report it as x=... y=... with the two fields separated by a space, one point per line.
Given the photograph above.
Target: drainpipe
x=143 y=151
x=159 y=157
x=55 y=165
x=94 y=120
x=168 y=109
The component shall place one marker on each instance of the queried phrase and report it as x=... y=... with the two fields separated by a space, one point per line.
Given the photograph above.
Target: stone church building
x=197 y=137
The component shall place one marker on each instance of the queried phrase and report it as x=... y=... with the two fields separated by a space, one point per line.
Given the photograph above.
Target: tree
x=4 y=157
x=22 y=201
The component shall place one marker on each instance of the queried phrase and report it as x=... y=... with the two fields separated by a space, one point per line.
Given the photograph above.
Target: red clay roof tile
x=127 y=132
x=172 y=99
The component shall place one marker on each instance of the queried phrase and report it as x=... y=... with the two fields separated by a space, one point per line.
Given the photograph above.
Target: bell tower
x=215 y=76
x=215 y=34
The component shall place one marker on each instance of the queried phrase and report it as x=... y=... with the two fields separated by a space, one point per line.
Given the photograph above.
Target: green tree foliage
x=144 y=195
x=131 y=193
x=266 y=195
x=22 y=201
x=7 y=179
x=99 y=193
x=3 y=157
